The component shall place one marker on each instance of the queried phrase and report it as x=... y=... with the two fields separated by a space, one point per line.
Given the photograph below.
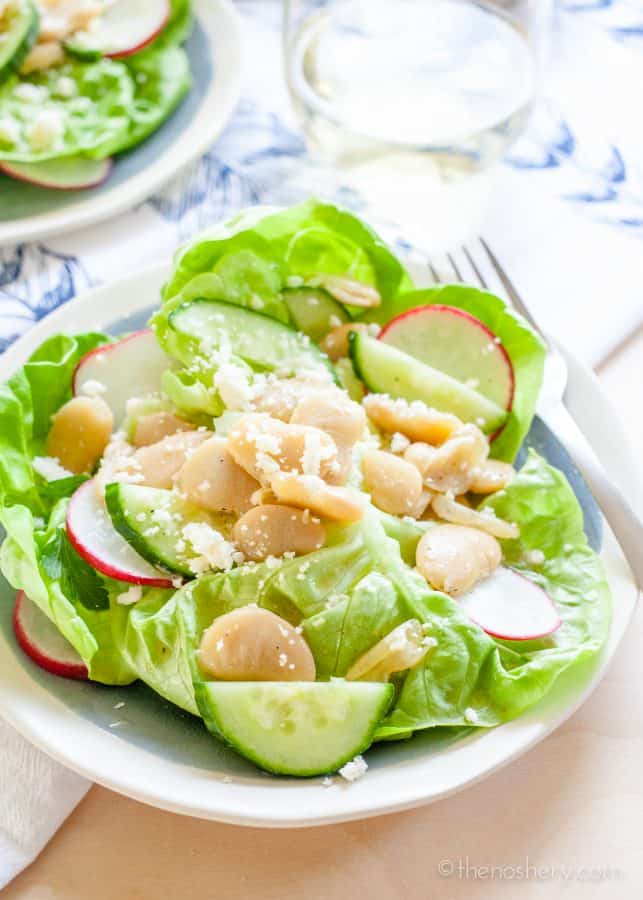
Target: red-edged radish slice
x=124 y=28
x=43 y=643
x=456 y=343
x=72 y=173
x=93 y=536
x=132 y=366
x=509 y=606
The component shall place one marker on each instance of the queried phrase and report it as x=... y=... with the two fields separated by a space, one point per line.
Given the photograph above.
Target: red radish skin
x=84 y=511
x=48 y=648
x=17 y=175
x=544 y=609
x=406 y=318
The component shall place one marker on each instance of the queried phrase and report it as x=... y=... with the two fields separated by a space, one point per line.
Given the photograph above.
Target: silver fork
x=477 y=264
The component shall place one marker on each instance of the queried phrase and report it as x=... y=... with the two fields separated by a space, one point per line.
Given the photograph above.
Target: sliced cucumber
x=295 y=728
x=314 y=311
x=349 y=380
x=151 y=521
x=264 y=343
x=18 y=33
x=387 y=370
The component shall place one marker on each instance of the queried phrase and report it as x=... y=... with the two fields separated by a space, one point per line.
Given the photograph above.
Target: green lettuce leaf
x=96 y=118
x=500 y=679
x=161 y=79
x=36 y=556
x=253 y=254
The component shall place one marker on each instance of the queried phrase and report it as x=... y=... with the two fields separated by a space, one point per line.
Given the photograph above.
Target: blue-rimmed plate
x=28 y=212
x=150 y=750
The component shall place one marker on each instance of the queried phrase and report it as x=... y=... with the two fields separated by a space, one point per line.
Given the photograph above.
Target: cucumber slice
x=70 y=173
x=387 y=370
x=18 y=33
x=314 y=311
x=264 y=343
x=151 y=521
x=295 y=728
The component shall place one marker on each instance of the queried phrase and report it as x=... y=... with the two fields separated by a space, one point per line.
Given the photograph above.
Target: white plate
x=28 y=212
x=164 y=757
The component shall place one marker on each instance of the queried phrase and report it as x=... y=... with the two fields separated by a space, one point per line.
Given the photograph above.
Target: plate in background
x=214 y=49
x=162 y=756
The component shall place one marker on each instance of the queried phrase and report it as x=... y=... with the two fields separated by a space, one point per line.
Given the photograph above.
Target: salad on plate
x=291 y=506
x=84 y=80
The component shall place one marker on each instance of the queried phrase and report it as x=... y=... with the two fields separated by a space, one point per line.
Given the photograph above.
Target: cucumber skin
x=208 y=714
x=13 y=64
x=321 y=357
x=122 y=525
x=338 y=309
x=80 y=53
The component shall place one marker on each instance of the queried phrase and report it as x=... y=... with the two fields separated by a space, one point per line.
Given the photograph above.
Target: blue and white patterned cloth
x=566 y=218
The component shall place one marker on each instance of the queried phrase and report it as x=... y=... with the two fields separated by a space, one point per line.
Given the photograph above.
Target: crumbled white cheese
x=214 y=552
x=49 y=468
x=233 y=385
x=133 y=595
x=354 y=769
x=294 y=281
x=30 y=93
x=471 y=715
x=93 y=388
x=46 y=129
x=534 y=557
x=399 y=443
x=65 y=87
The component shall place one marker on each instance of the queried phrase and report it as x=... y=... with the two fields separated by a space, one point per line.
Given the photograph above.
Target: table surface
x=569 y=812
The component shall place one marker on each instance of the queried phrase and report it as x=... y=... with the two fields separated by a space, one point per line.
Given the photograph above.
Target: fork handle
x=623 y=520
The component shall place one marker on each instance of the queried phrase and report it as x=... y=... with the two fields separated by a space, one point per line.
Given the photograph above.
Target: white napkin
x=36 y=796
x=566 y=221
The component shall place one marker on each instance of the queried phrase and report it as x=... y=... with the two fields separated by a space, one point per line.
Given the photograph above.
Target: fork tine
x=454 y=266
x=472 y=263
x=513 y=295
x=432 y=270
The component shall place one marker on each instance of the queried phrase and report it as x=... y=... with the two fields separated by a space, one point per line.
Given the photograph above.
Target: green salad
x=83 y=80
x=290 y=505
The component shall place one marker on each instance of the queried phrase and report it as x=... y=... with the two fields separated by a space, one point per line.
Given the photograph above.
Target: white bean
x=272 y=530
x=80 y=432
x=160 y=463
x=340 y=504
x=254 y=644
x=395 y=485
x=211 y=479
x=452 y=558
x=154 y=427
x=416 y=420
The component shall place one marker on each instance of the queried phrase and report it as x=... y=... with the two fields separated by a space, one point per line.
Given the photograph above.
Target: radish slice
x=509 y=606
x=43 y=643
x=132 y=366
x=93 y=536
x=124 y=28
x=72 y=173
x=456 y=343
